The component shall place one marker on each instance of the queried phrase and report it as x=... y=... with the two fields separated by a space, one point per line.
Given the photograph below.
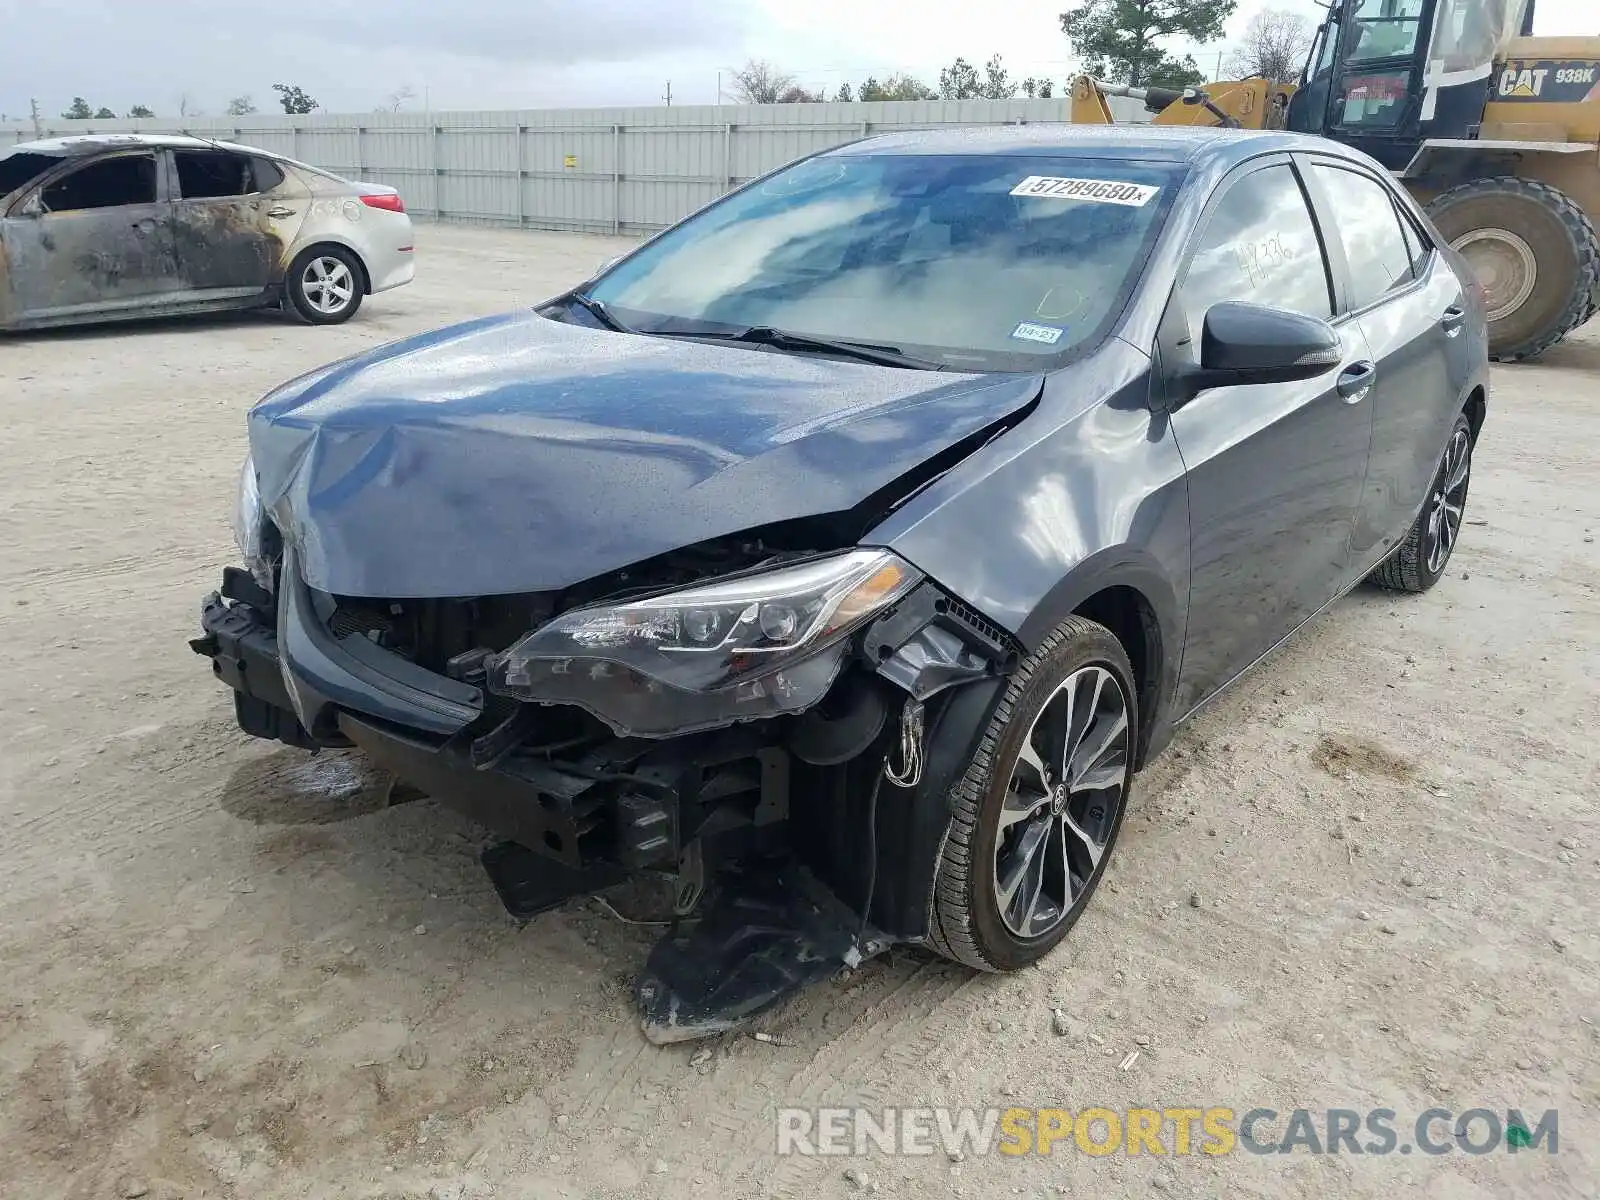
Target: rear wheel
x=1038 y=811
x=1533 y=250
x=325 y=285
x=1419 y=561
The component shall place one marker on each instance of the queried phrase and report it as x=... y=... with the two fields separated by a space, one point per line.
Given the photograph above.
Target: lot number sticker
x=1100 y=191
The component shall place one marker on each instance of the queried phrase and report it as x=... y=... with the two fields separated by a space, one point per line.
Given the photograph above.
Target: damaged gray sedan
x=839 y=555
x=108 y=227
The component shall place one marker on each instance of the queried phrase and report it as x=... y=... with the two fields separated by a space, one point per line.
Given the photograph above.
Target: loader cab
x=1385 y=75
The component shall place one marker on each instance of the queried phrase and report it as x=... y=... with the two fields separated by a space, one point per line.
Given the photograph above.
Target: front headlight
x=249 y=531
x=734 y=650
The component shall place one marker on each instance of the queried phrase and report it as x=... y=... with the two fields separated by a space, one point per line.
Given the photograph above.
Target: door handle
x=1454 y=318
x=280 y=211
x=1356 y=380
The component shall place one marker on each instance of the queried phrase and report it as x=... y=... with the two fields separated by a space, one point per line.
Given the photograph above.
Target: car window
x=108 y=183
x=1369 y=230
x=18 y=167
x=1417 y=244
x=268 y=174
x=207 y=174
x=1260 y=244
x=977 y=261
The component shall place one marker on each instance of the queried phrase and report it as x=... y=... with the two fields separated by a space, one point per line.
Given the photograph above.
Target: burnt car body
x=863 y=640
x=110 y=227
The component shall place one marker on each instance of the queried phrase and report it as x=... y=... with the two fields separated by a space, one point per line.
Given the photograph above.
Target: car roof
x=1159 y=143
x=94 y=143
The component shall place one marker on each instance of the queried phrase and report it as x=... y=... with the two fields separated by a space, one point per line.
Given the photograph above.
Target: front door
x=95 y=240
x=230 y=227
x=1275 y=471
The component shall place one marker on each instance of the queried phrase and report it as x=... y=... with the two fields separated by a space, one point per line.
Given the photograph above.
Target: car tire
x=1049 y=861
x=1420 y=560
x=325 y=285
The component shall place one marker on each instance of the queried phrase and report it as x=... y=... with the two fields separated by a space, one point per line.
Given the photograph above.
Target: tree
x=295 y=101
x=79 y=111
x=104 y=114
x=845 y=96
x=795 y=94
x=400 y=97
x=141 y=111
x=959 y=81
x=1040 y=89
x=1274 y=46
x=1120 y=40
x=996 y=83
x=759 y=82
x=241 y=106
x=896 y=87
x=187 y=106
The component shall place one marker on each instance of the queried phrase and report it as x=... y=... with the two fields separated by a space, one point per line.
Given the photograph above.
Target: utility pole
x=33 y=109
x=669 y=93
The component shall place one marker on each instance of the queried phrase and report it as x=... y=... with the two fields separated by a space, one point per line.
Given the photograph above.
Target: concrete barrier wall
x=601 y=170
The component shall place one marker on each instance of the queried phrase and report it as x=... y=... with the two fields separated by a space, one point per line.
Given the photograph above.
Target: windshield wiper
x=598 y=310
x=780 y=339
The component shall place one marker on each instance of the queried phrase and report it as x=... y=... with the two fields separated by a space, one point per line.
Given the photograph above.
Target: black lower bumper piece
x=529 y=883
x=765 y=936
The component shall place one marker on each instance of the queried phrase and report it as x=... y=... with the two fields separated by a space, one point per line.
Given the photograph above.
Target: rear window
x=978 y=262
x=21 y=167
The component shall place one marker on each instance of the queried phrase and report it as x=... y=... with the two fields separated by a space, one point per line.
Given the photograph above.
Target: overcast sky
x=351 y=54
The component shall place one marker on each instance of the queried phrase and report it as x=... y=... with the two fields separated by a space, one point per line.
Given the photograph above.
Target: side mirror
x=32 y=207
x=1245 y=344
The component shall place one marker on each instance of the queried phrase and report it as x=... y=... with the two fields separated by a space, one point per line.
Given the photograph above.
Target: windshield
x=975 y=262
x=17 y=167
x=1386 y=29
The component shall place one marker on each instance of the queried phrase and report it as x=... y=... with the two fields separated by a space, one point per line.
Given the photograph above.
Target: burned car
x=841 y=553
x=107 y=227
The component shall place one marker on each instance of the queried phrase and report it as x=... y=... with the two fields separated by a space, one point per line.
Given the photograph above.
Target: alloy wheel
x=1448 y=500
x=1066 y=791
x=328 y=285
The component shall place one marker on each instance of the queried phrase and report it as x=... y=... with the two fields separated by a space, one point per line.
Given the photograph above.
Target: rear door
x=1411 y=309
x=93 y=240
x=1275 y=471
x=230 y=227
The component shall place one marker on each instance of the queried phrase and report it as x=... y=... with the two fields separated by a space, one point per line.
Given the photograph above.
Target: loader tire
x=1535 y=252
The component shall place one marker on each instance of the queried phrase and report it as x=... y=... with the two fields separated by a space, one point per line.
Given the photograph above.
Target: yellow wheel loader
x=1496 y=133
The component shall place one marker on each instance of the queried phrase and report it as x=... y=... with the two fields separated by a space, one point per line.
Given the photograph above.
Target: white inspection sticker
x=1029 y=332
x=1100 y=191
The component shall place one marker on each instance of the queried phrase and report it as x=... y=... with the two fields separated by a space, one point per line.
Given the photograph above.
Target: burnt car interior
x=108 y=183
x=21 y=168
x=214 y=174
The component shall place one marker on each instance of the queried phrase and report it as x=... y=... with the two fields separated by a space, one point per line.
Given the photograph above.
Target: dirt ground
x=1367 y=877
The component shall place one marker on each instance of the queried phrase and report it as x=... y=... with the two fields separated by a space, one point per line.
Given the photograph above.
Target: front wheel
x=1038 y=810
x=1419 y=561
x=325 y=285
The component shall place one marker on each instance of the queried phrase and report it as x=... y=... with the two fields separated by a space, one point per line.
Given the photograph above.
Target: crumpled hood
x=519 y=454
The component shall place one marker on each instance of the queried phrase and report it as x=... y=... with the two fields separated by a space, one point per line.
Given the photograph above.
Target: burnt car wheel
x=325 y=285
x=1037 y=813
x=1422 y=557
